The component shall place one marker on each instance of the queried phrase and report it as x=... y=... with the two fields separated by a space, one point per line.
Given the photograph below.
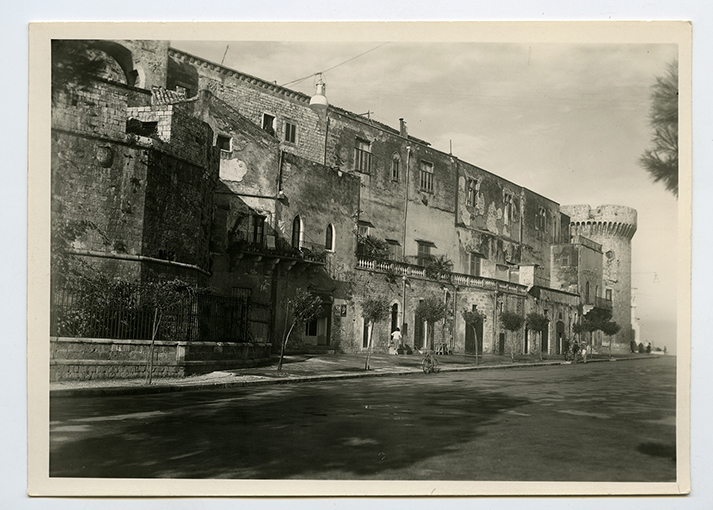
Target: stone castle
x=188 y=169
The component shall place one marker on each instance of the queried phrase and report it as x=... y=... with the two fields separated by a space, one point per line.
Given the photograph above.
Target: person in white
x=395 y=341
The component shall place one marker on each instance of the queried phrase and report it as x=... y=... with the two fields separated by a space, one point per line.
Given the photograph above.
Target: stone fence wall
x=95 y=358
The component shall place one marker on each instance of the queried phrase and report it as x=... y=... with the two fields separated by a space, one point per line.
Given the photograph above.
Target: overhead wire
x=299 y=80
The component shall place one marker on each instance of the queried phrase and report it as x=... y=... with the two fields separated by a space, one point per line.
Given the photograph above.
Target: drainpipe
x=408 y=171
x=403 y=308
x=457 y=162
x=326 y=137
x=455 y=318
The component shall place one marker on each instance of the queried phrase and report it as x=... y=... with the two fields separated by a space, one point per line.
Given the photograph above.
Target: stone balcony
x=458 y=279
x=270 y=253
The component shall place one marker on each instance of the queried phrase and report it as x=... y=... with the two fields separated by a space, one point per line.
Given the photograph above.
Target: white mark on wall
x=233 y=170
x=493 y=216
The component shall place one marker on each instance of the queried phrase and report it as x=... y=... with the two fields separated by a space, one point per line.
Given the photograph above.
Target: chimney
x=402 y=128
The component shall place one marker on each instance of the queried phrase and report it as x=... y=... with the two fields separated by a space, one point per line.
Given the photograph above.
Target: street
x=604 y=421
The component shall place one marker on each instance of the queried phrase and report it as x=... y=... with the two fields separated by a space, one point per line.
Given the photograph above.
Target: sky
x=568 y=121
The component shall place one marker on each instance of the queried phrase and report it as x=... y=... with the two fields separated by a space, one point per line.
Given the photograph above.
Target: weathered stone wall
x=252 y=98
x=564 y=272
x=382 y=198
x=145 y=196
x=613 y=226
x=541 y=227
x=91 y=358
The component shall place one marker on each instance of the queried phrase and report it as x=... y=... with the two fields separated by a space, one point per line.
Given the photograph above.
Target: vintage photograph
x=455 y=260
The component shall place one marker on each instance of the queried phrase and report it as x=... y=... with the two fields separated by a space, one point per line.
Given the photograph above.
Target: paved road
x=610 y=421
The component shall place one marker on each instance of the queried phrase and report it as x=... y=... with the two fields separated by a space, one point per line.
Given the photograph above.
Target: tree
x=375 y=308
x=160 y=298
x=472 y=318
x=73 y=66
x=438 y=268
x=661 y=160
x=610 y=329
x=432 y=309
x=512 y=322
x=372 y=247
x=305 y=306
x=537 y=322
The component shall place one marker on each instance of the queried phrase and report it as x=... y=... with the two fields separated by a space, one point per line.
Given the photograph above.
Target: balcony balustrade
x=459 y=279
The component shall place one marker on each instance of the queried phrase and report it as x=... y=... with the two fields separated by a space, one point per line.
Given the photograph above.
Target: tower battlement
x=612 y=226
x=605 y=220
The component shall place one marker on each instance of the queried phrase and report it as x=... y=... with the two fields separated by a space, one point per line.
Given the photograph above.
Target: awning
x=426 y=243
x=364 y=223
x=393 y=242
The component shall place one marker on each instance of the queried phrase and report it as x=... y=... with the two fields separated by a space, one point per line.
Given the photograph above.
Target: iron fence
x=201 y=317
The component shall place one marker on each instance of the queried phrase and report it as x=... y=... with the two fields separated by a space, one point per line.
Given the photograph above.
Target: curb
x=143 y=390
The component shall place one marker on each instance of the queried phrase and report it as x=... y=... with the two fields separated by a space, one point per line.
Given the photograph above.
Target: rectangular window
x=472 y=191
x=542 y=219
x=268 y=123
x=426 y=176
x=395 y=169
x=258 y=229
x=290 y=132
x=311 y=328
x=362 y=156
x=141 y=128
x=474 y=264
x=223 y=143
x=424 y=253
x=507 y=208
x=394 y=249
x=608 y=294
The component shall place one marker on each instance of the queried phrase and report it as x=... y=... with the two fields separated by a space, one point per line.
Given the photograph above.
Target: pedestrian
x=584 y=353
x=575 y=352
x=396 y=339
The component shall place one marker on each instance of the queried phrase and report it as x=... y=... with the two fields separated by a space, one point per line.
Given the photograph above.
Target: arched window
x=297 y=233
x=395 y=167
x=329 y=238
x=586 y=294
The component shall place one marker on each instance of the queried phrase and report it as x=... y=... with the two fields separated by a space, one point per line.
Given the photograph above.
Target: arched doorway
x=559 y=335
x=394 y=317
x=297 y=233
x=545 y=340
x=474 y=339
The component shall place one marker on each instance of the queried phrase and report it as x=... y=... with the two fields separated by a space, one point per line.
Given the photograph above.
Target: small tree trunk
x=154 y=330
x=541 y=333
x=476 y=344
x=282 y=347
x=368 y=347
x=512 y=349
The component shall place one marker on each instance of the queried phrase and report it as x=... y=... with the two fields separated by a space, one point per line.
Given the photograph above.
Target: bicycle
x=430 y=364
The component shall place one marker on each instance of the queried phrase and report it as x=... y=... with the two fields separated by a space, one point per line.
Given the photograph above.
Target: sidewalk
x=311 y=367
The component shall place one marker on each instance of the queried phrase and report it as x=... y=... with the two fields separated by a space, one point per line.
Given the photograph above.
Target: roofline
x=305 y=98
x=290 y=93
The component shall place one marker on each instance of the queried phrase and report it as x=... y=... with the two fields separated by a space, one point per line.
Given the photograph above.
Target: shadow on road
x=274 y=434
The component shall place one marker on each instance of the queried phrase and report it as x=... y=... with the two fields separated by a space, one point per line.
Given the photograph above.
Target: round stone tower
x=612 y=226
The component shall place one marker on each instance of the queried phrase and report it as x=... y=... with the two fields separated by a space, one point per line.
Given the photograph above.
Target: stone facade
x=188 y=168
x=612 y=226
